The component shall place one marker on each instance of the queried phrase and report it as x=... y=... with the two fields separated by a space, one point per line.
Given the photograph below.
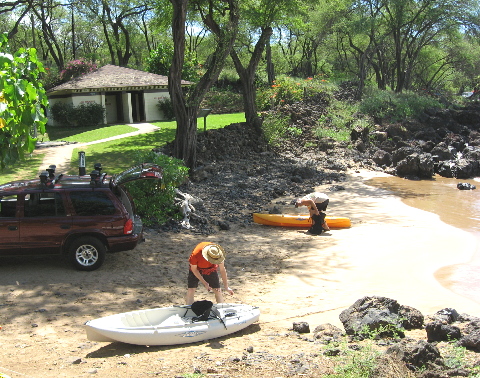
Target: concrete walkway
x=61 y=155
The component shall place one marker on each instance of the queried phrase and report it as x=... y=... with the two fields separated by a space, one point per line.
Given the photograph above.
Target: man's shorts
x=322 y=206
x=212 y=279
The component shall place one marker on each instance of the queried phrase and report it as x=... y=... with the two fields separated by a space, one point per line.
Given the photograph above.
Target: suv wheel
x=87 y=253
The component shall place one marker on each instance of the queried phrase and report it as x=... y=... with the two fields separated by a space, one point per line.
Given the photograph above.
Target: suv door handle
x=65 y=226
x=13 y=228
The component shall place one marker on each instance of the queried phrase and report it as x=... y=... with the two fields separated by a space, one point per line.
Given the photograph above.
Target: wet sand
x=392 y=250
x=458 y=208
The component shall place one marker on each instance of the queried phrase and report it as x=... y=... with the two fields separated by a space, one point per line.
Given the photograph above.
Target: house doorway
x=138 y=106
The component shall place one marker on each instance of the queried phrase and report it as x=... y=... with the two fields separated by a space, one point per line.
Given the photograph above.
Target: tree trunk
x=247 y=78
x=186 y=109
x=185 y=146
x=270 y=66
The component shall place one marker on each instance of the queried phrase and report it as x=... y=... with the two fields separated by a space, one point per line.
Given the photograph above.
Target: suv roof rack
x=48 y=178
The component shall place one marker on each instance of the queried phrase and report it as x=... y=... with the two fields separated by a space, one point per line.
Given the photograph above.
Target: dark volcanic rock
x=417 y=354
x=379 y=315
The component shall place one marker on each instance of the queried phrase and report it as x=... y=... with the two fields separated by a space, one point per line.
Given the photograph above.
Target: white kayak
x=171 y=325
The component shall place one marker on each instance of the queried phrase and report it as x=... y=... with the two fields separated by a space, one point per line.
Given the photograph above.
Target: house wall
x=108 y=101
x=151 y=98
x=111 y=108
x=127 y=107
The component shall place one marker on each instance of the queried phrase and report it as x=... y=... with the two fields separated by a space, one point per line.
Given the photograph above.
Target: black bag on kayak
x=202 y=310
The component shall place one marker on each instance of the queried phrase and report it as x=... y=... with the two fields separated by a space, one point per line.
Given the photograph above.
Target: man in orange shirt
x=205 y=261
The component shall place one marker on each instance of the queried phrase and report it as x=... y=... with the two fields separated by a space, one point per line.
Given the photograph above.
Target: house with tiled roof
x=127 y=95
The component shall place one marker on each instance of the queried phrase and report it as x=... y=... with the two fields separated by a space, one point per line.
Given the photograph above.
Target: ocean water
x=459 y=208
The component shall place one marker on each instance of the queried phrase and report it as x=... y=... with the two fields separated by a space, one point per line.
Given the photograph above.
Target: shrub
x=287 y=90
x=166 y=107
x=89 y=114
x=154 y=201
x=393 y=107
x=63 y=113
x=83 y=115
x=223 y=101
x=275 y=126
x=341 y=118
x=51 y=78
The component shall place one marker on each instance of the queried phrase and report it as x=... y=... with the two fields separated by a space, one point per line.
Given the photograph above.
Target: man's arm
x=223 y=273
x=197 y=274
x=310 y=204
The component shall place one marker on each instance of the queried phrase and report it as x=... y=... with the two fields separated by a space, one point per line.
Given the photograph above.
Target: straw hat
x=213 y=253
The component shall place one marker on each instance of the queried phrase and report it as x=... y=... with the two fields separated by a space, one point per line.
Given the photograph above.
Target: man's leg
x=218 y=295
x=190 y=296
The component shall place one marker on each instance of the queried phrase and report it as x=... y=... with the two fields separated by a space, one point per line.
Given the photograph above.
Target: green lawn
x=117 y=155
x=87 y=134
x=26 y=169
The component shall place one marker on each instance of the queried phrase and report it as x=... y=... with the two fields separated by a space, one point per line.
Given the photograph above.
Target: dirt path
x=60 y=155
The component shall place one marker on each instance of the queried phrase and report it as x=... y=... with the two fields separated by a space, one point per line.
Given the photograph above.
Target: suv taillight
x=128 y=227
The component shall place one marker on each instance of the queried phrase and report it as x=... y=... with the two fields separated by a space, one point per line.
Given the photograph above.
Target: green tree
x=391 y=36
x=160 y=62
x=22 y=102
x=257 y=20
x=221 y=18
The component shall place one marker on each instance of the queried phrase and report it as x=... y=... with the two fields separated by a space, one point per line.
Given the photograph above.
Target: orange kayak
x=299 y=220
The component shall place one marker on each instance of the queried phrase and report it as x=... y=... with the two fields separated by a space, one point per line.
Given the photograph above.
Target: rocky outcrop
x=380 y=319
x=379 y=316
x=444 y=142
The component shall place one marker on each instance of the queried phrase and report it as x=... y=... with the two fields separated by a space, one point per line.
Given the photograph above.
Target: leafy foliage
x=22 y=102
x=160 y=61
x=355 y=364
x=275 y=127
x=392 y=107
x=154 y=201
x=223 y=100
x=287 y=90
x=76 y=68
x=166 y=107
x=340 y=119
x=82 y=115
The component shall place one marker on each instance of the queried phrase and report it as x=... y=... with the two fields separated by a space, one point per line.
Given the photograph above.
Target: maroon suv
x=81 y=217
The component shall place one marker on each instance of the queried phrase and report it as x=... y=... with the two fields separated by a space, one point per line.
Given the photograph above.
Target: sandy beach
x=391 y=250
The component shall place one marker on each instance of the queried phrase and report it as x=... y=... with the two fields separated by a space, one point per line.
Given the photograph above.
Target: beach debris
x=465 y=186
x=183 y=201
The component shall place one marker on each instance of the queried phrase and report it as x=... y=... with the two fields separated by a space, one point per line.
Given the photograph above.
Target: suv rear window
x=92 y=203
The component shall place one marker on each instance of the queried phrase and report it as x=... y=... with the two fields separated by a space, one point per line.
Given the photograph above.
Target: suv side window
x=92 y=203
x=44 y=205
x=8 y=206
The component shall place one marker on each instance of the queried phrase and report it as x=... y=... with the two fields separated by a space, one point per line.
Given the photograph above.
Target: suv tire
x=87 y=253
